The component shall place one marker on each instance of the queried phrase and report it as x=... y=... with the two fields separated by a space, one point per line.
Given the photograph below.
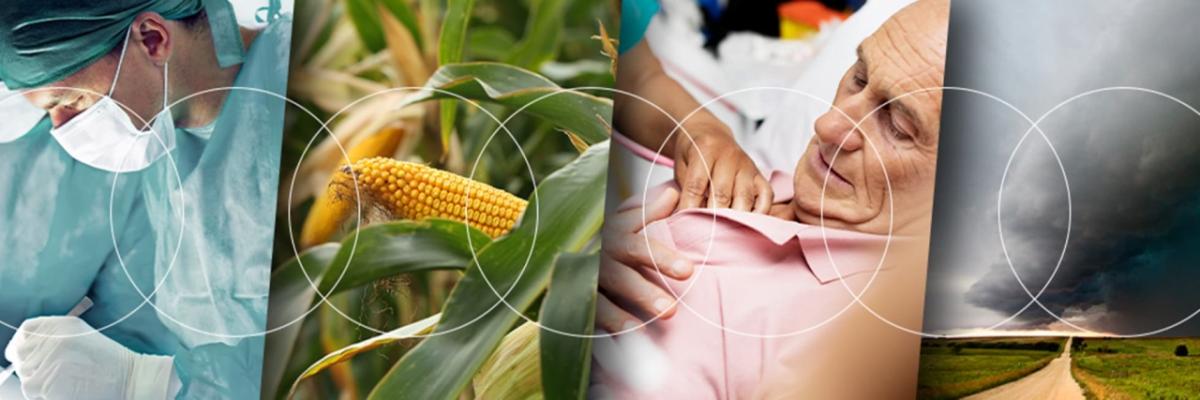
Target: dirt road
x=1054 y=382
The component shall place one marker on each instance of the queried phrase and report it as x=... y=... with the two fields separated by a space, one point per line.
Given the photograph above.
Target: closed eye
x=896 y=125
x=860 y=76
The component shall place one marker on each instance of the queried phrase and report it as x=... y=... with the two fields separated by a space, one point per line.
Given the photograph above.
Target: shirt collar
x=830 y=253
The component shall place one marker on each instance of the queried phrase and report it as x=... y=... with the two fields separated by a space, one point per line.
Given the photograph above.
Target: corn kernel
x=414 y=191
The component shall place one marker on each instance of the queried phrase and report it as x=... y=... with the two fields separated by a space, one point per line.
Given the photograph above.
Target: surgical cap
x=44 y=41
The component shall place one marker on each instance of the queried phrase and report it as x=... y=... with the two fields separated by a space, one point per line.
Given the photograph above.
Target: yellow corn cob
x=415 y=191
x=327 y=212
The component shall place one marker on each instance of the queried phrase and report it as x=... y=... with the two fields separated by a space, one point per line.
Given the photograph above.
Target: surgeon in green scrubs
x=161 y=139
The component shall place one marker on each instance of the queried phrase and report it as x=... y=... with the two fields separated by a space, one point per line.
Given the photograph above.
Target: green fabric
x=44 y=41
x=635 y=17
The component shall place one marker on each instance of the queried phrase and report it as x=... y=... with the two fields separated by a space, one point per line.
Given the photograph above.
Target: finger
x=26 y=346
x=633 y=291
x=783 y=211
x=30 y=370
x=724 y=176
x=34 y=387
x=765 y=195
x=32 y=359
x=43 y=334
x=744 y=190
x=659 y=205
x=11 y=352
x=693 y=183
x=637 y=251
x=662 y=206
x=613 y=319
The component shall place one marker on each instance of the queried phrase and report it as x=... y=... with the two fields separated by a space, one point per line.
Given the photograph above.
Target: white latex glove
x=64 y=358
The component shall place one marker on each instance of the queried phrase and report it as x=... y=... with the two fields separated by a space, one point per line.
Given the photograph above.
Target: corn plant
x=398 y=305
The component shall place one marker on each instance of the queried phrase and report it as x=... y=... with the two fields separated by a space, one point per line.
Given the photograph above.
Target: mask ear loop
x=166 y=78
x=149 y=128
x=120 y=60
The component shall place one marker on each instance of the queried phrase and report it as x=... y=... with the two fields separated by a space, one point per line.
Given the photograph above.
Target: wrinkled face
x=892 y=90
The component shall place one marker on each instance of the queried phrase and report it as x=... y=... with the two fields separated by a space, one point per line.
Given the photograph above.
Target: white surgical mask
x=18 y=114
x=104 y=137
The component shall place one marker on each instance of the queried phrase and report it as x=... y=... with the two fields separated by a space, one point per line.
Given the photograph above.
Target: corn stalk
x=421 y=290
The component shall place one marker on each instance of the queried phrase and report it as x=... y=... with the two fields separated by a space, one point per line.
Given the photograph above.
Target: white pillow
x=785 y=132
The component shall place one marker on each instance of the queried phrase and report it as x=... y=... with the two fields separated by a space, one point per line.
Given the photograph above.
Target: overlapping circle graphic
x=503 y=298
x=1034 y=298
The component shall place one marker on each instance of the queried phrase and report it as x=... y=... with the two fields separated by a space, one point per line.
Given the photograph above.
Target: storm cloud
x=1132 y=160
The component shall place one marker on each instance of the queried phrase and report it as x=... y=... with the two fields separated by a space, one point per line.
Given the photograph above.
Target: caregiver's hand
x=710 y=165
x=64 y=358
x=629 y=283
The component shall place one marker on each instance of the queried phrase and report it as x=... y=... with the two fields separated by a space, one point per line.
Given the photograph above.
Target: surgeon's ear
x=150 y=33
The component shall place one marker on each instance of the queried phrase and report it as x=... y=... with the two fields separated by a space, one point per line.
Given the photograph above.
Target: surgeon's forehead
x=52 y=96
x=44 y=97
x=87 y=82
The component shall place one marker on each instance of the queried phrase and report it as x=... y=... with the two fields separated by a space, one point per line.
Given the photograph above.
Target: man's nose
x=61 y=115
x=836 y=128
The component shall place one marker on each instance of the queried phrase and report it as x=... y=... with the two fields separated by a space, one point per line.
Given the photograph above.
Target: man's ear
x=150 y=34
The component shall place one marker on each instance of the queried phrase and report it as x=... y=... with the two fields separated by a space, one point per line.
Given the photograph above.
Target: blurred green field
x=1137 y=368
x=953 y=368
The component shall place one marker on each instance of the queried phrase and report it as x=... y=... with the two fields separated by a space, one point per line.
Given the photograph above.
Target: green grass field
x=953 y=368
x=1137 y=368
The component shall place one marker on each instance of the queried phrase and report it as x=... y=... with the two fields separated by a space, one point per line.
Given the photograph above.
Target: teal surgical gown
x=55 y=227
x=211 y=270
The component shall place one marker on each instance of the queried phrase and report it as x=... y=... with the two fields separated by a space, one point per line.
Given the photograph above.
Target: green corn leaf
x=291 y=297
x=335 y=333
x=382 y=250
x=363 y=15
x=569 y=307
x=545 y=27
x=409 y=331
x=450 y=50
x=401 y=247
x=454 y=30
x=579 y=112
x=490 y=43
x=571 y=207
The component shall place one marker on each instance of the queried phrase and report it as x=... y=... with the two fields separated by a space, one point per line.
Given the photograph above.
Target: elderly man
x=149 y=189
x=771 y=300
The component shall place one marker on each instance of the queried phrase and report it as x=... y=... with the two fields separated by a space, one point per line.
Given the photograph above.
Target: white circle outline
x=1034 y=298
x=678 y=298
x=999 y=221
x=146 y=298
x=112 y=195
x=325 y=296
x=857 y=297
x=516 y=280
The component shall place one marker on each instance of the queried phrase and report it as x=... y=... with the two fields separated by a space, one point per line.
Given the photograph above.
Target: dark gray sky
x=1132 y=160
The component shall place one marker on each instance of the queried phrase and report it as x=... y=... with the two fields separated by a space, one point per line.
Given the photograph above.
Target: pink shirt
x=791 y=327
